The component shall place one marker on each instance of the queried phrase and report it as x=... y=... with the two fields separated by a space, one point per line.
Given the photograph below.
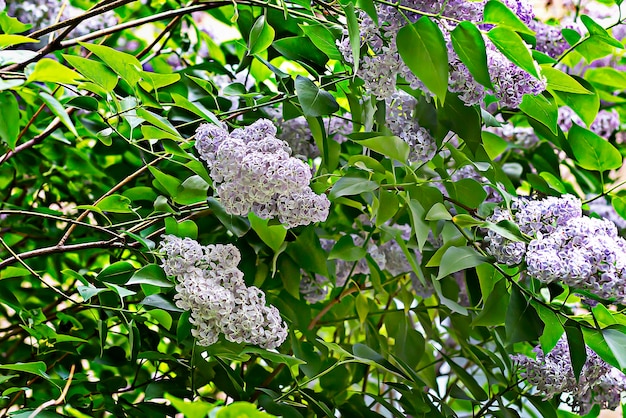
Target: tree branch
x=113 y=243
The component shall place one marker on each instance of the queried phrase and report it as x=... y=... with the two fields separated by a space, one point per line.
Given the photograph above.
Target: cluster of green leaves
x=98 y=163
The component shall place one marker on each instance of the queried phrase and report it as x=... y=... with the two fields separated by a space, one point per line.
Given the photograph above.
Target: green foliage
x=394 y=305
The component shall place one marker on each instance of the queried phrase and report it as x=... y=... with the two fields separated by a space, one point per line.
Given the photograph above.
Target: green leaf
x=261 y=36
x=151 y=274
x=314 y=101
x=438 y=212
x=468 y=380
x=423 y=49
x=160 y=302
x=158 y=121
x=495 y=307
x=115 y=203
x=195 y=107
x=94 y=71
x=58 y=109
x=496 y=12
x=9 y=122
x=591 y=151
x=272 y=235
x=308 y=252
x=542 y=109
x=599 y=32
x=345 y=249
x=191 y=409
x=388 y=205
x=125 y=65
x=10 y=40
x=169 y=183
x=193 y=190
x=514 y=48
x=463 y=120
x=585 y=105
x=577 y=348
x=420 y=226
x=389 y=146
x=616 y=340
x=469 y=45
x=37 y=368
x=162 y=317
x=522 y=322
x=12 y=271
x=116 y=273
x=354 y=34
x=11 y=25
x=347 y=186
x=51 y=71
x=154 y=81
x=457 y=259
x=558 y=80
x=323 y=39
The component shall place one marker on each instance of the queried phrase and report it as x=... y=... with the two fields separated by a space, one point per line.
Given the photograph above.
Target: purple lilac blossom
x=552 y=374
x=533 y=217
x=520 y=136
x=380 y=70
x=605 y=123
x=400 y=121
x=550 y=39
x=253 y=171
x=585 y=253
x=211 y=287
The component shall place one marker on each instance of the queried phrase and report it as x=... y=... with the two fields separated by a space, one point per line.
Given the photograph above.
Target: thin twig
x=61 y=397
x=113 y=243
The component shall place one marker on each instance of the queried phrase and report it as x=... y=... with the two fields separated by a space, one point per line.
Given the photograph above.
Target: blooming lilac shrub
x=212 y=288
x=552 y=374
x=254 y=172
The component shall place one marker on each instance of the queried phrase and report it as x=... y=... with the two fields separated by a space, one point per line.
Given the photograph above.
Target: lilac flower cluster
x=579 y=251
x=520 y=136
x=533 y=217
x=552 y=374
x=400 y=121
x=253 y=171
x=212 y=287
x=387 y=256
x=585 y=253
x=605 y=123
x=297 y=134
x=549 y=38
x=380 y=69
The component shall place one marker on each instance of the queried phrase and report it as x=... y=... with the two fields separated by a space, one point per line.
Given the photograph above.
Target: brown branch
x=78 y=19
x=142 y=21
x=113 y=243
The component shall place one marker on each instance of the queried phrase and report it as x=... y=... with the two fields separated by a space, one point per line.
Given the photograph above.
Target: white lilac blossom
x=380 y=68
x=520 y=136
x=402 y=123
x=532 y=217
x=254 y=172
x=212 y=288
x=585 y=253
x=605 y=210
x=605 y=123
x=582 y=252
x=552 y=373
